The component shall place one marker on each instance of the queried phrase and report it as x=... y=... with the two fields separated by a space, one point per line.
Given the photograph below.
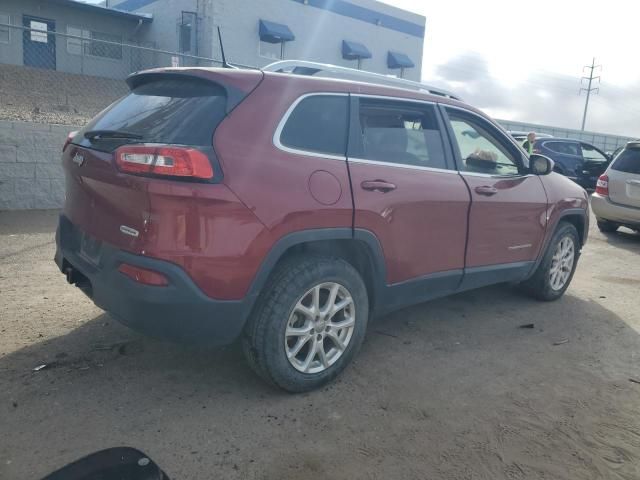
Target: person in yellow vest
x=528 y=144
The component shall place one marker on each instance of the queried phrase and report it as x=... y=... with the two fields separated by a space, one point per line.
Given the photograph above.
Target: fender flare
x=552 y=228
x=290 y=240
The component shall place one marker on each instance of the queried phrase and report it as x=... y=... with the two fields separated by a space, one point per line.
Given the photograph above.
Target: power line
x=589 y=89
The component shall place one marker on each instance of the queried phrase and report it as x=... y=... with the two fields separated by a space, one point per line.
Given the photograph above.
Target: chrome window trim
x=394 y=99
x=400 y=165
x=489 y=175
x=283 y=121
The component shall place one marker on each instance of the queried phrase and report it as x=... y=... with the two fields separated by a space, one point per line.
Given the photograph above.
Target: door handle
x=377 y=186
x=486 y=190
x=633 y=182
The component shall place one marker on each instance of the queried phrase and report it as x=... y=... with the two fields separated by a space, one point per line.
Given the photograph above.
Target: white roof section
x=301 y=67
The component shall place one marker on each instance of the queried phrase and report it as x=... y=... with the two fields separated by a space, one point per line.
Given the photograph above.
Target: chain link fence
x=67 y=78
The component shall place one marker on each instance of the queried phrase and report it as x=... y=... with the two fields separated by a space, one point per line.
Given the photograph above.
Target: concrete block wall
x=31 y=174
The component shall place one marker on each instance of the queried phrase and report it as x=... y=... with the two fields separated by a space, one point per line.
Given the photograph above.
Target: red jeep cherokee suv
x=286 y=210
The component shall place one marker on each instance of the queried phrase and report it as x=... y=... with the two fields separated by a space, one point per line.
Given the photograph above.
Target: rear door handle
x=486 y=190
x=377 y=186
x=633 y=182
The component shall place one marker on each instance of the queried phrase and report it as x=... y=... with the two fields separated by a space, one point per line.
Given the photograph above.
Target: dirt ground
x=452 y=389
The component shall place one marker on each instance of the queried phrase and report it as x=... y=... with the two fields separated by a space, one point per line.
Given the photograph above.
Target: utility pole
x=592 y=68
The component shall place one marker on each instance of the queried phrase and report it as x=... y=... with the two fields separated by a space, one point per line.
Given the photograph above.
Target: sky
x=523 y=60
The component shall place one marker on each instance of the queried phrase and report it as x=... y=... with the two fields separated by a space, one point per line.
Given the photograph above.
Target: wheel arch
x=360 y=248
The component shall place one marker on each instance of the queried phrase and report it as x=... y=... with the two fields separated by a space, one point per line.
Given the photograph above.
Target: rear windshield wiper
x=99 y=134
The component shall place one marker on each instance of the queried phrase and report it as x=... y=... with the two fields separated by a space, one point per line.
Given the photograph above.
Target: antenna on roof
x=224 y=58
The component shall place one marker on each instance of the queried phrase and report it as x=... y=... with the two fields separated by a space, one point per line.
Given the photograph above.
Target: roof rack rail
x=301 y=67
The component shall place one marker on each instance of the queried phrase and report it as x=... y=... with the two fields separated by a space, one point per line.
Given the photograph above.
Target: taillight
x=171 y=161
x=142 y=275
x=602 y=186
x=68 y=140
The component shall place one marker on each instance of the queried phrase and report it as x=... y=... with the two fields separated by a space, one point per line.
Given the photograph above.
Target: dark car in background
x=580 y=161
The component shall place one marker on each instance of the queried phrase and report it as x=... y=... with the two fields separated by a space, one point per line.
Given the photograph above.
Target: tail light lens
x=602 y=186
x=170 y=161
x=144 y=276
x=69 y=140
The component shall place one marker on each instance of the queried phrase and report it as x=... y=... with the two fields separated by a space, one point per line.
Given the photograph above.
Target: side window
x=401 y=132
x=5 y=32
x=590 y=153
x=318 y=124
x=480 y=150
x=564 y=148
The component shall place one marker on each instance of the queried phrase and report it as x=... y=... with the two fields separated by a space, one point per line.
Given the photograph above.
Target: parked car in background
x=285 y=210
x=580 y=161
x=521 y=136
x=616 y=201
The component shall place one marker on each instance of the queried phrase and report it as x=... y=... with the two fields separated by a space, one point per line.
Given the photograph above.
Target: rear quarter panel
x=275 y=185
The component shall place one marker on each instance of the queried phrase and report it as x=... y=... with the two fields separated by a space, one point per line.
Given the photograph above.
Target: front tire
x=555 y=272
x=308 y=324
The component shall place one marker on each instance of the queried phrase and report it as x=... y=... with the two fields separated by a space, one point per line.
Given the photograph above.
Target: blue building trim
x=340 y=7
x=367 y=15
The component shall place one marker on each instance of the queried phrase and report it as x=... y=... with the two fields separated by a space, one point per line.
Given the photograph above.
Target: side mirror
x=121 y=463
x=540 y=165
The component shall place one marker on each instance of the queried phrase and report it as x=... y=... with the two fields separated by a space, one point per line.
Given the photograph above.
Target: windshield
x=181 y=111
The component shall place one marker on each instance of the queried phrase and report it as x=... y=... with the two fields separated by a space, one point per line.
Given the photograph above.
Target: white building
x=355 y=33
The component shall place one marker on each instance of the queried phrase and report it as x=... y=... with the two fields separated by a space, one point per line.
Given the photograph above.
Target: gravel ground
x=451 y=389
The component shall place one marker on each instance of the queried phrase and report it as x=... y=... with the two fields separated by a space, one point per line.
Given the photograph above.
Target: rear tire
x=308 y=324
x=606 y=226
x=555 y=272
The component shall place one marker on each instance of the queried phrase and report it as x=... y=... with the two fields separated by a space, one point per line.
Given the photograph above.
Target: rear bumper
x=605 y=209
x=177 y=312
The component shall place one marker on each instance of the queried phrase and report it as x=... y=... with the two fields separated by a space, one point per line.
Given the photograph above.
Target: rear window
x=628 y=161
x=180 y=111
x=318 y=124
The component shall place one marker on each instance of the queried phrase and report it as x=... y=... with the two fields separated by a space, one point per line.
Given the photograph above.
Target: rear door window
x=564 y=148
x=628 y=161
x=400 y=132
x=318 y=124
x=179 y=111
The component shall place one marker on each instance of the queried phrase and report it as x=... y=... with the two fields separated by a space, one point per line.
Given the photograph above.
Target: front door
x=407 y=193
x=507 y=220
x=39 y=46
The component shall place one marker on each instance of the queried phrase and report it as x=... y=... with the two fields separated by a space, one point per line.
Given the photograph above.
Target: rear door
x=406 y=192
x=624 y=178
x=595 y=162
x=507 y=220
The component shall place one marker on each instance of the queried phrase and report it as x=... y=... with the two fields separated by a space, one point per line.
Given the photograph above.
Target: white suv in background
x=616 y=201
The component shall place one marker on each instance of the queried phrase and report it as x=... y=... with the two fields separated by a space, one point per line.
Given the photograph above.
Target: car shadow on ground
x=624 y=238
x=488 y=376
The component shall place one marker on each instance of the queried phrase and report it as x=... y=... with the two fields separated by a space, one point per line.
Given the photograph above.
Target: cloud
x=540 y=97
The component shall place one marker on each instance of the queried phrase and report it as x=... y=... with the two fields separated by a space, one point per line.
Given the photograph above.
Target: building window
x=95 y=44
x=39 y=32
x=187 y=33
x=5 y=32
x=274 y=51
x=106 y=50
